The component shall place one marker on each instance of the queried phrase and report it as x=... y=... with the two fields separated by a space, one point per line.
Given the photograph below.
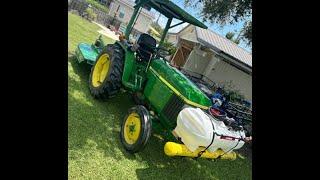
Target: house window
x=121 y=13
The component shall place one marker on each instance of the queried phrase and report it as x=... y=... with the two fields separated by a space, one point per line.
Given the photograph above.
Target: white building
x=216 y=58
x=123 y=9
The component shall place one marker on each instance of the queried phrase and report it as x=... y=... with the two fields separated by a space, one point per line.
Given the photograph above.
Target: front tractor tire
x=135 y=129
x=106 y=73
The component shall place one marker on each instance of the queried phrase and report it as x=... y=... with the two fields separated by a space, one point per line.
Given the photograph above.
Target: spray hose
x=215 y=133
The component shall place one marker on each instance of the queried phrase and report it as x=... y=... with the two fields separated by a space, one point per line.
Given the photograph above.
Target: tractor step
x=85 y=52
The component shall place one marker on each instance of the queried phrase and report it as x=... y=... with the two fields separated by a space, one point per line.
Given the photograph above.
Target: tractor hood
x=180 y=84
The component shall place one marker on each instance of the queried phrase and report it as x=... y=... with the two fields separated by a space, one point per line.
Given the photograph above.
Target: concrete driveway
x=107 y=32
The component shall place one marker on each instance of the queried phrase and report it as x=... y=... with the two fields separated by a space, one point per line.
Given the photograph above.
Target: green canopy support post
x=165 y=31
x=134 y=17
x=130 y=24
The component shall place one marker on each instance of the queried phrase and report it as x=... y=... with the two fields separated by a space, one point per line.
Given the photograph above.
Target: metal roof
x=220 y=43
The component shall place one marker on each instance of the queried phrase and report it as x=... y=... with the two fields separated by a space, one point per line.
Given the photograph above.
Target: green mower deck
x=86 y=52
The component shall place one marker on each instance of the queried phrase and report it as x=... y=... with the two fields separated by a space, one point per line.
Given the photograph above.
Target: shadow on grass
x=161 y=166
x=91 y=121
x=96 y=124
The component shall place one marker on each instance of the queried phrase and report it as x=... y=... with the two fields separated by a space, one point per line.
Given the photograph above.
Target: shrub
x=231 y=92
x=91 y=14
x=99 y=6
x=170 y=47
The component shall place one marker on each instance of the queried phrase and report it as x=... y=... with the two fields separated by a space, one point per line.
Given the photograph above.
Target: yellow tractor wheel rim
x=132 y=128
x=100 y=70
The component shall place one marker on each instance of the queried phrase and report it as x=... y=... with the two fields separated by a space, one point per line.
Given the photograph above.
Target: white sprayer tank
x=195 y=130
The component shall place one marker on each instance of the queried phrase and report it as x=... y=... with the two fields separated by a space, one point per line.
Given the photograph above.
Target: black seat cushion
x=147 y=45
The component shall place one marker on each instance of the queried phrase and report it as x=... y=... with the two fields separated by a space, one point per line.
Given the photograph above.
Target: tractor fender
x=121 y=44
x=128 y=65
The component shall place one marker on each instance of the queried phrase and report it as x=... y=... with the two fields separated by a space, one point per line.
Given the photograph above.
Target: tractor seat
x=147 y=45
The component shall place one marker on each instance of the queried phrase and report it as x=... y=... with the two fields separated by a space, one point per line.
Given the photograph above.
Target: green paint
x=87 y=52
x=180 y=82
x=136 y=76
x=166 y=7
x=128 y=78
x=156 y=92
x=165 y=31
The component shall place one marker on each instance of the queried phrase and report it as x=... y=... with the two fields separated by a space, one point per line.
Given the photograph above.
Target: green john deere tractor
x=166 y=99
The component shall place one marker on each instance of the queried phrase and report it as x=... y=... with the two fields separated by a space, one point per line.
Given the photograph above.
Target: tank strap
x=229 y=150
x=213 y=133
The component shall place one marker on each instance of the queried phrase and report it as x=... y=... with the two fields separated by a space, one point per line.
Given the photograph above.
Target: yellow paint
x=175 y=149
x=186 y=100
x=132 y=128
x=100 y=70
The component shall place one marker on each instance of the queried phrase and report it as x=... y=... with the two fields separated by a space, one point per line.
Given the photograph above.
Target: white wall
x=188 y=33
x=197 y=63
x=222 y=72
x=219 y=71
x=172 y=38
x=143 y=22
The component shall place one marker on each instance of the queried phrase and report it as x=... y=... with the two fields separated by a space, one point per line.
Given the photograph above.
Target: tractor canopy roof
x=171 y=10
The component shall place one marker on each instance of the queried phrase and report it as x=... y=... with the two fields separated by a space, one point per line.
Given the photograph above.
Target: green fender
x=128 y=66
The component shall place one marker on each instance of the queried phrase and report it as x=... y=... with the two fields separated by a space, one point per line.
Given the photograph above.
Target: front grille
x=172 y=109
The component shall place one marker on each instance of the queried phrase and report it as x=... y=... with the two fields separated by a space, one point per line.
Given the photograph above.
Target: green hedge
x=97 y=5
x=91 y=14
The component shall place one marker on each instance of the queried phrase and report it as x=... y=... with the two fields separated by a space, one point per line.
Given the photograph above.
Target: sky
x=214 y=27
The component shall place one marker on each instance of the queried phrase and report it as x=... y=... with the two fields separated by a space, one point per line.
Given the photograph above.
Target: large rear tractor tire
x=135 y=129
x=106 y=73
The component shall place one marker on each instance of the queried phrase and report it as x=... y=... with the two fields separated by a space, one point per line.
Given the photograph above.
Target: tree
x=169 y=46
x=247 y=32
x=166 y=44
x=227 y=11
x=230 y=36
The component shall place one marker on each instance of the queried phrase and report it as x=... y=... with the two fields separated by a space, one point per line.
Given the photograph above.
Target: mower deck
x=85 y=52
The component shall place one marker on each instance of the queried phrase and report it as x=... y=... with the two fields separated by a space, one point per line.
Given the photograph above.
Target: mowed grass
x=94 y=148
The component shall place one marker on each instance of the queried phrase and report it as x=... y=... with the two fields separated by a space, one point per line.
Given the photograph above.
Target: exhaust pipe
x=175 y=149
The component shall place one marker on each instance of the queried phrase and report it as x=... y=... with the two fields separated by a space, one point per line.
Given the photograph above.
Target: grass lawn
x=94 y=148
